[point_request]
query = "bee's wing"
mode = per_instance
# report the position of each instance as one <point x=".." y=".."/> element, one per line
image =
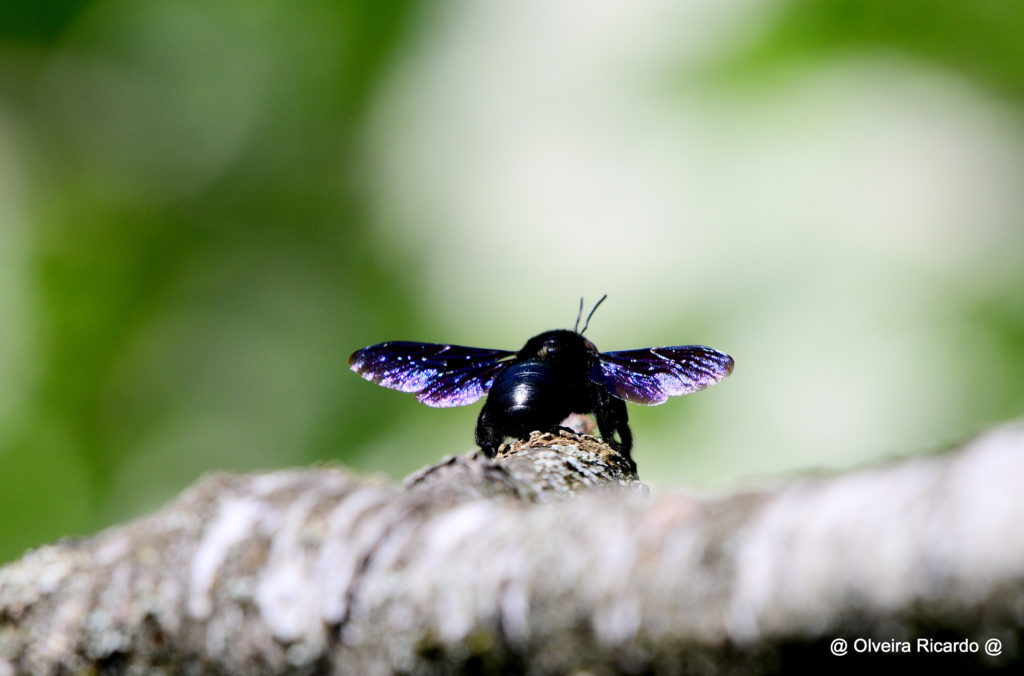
<point x="440" y="375"/>
<point x="653" y="374"/>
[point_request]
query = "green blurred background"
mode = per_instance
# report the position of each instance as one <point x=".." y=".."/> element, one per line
<point x="206" y="206"/>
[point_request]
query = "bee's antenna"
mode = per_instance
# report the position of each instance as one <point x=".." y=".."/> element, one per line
<point x="596" y="305"/>
<point x="578" y="316"/>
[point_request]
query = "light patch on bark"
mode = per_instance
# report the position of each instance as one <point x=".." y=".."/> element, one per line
<point x="235" y="520"/>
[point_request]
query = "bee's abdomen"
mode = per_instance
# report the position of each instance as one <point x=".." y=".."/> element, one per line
<point x="529" y="395"/>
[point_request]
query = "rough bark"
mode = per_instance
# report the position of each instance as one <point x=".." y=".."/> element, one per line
<point x="550" y="559"/>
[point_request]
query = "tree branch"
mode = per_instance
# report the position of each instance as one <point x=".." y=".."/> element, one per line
<point x="549" y="559"/>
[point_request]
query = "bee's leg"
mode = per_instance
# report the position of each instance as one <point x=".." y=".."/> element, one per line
<point x="487" y="436"/>
<point x="612" y="421"/>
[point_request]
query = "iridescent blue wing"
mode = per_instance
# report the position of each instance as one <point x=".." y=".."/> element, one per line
<point x="440" y="375"/>
<point x="653" y="374"/>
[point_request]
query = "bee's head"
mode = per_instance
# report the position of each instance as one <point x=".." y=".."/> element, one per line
<point x="560" y="346"/>
<point x="563" y="347"/>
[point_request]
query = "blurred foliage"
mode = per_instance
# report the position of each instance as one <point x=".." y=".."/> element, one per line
<point x="197" y="265"/>
<point x="37" y="22"/>
<point x="192" y="246"/>
<point x="981" y="40"/>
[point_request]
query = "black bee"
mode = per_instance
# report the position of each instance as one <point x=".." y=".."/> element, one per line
<point x="557" y="373"/>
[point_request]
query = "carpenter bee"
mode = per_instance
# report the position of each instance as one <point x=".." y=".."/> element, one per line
<point x="556" y="374"/>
